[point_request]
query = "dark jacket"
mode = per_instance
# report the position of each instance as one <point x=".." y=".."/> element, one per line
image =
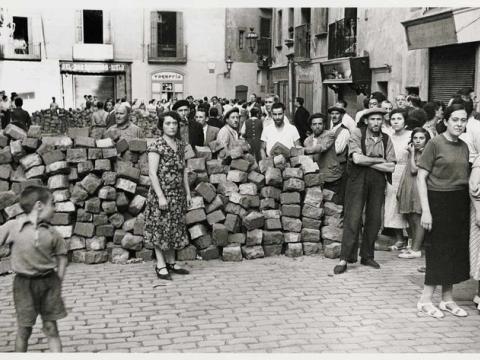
<point x="300" y="120"/>
<point x="195" y="133"/>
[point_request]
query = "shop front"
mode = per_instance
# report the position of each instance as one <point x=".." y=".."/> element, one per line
<point x="101" y="80"/>
<point x="167" y="85"/>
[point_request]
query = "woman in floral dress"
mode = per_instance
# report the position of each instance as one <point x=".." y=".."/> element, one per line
<point x="168" y="196"/>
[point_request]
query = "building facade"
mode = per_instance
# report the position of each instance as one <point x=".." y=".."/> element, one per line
<point x="142" y="53"/>
<point x="325" y="54"/>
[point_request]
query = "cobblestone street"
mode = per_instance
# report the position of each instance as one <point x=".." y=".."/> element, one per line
<point x="267" y="305"/>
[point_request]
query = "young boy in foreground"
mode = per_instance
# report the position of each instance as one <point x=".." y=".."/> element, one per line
<point x="37" y="249"/>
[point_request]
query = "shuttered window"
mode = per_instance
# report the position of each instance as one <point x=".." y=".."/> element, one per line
<point x="451" y="68"/>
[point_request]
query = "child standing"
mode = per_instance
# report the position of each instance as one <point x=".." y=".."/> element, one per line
<point x="408" y="198"/>
<point x="37" y="249"/>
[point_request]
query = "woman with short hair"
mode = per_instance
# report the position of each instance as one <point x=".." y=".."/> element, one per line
<point x="168" y="196"/>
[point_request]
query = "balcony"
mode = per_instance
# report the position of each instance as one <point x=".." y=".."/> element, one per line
<point x="93" y="52"/>
<point x="167" y="54"/>
<point x="302" y="42"/>
<point x="20" y="50"/>
<point x="264" y="52"/>
<point x="342" y="39"/>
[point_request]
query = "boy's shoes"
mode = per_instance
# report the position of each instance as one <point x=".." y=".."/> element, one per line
<point x="339" y="269"/>
<point x="177" y="270"/>
<point x="370" y="262"/>
<point x="166" y="276"/>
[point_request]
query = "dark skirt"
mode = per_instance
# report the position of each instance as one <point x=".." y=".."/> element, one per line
<point x="447" y="244"/>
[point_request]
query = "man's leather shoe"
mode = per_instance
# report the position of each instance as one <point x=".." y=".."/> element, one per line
<point x="370" y="262"/>
<point x="339" y="269"/>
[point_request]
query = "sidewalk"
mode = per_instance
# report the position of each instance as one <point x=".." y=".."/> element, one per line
<point x="266" y="305"/>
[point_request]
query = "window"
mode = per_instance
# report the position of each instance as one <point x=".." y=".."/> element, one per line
<point x="279" y="28"/>
<point x="241" y="39"/>
<point x="291" y="12"/>
<point x="93" y="26"/>
<point x="20" y="35"/>
<point x="265" y="28"/>
<point x="166" y="35"/>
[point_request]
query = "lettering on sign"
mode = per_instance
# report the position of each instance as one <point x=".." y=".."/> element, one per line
<point x="167" y="75"/>
<point x="92" y="67"/>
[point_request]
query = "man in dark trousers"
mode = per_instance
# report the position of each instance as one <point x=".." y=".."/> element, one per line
<point x="300" y="119"/>
<point x="190" y="131"/>
<point x="370" y="165"/>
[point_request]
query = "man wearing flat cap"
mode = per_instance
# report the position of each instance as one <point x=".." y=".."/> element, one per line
<point x="341" y="138"/>
<point x="190" y="131"/>
<point x="371" y="161"/>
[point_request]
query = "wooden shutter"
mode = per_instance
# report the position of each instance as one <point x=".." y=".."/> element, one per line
<point x="180" y="43"/>
<point x="79" y="26"/>
<point x="153" y="32"/>
<point x="451" y="68"/>
<point x="320" y="20"/>
<point x="107" y="28"/>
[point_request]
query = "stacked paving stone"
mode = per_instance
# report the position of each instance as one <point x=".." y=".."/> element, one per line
<point x="332" y="226"/>
<point x="249" y="210"/>
<point x="99" y="189"/>
<point x="52" y="122"/>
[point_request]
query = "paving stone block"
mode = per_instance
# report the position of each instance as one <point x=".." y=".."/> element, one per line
<point x="254" y="220"/>
<point x="31" y="144"/>
<point x="310" y="223"/>
<point x="13" y="211"/>
<point x="83" y="141"/>
<point x="312" y="212"/>
<point x="196" y="203"/>
<point x="5" y="171"/>
<point x="252" y="201"/>
<point x="291" y="210"/>
<point x="217" y="178"/>
<point x="104" y="143"/>
<point x="272" y="250"/>
<point x="85" y="167"/>
<point x="219" y="235"/>
<point x="92" y="205"/>
<point x="207" y="191"/>
<point x="254" y="237"/>
<point x="294" y="250"/>
<point x="75" y="132"/>
<point x="292" y="237"/>
<point x="58" y="167"/>
<point x="272" y="237"/>
<point x="61" y="219"/>
<point x="137" y="204"/>
<point x="5" y="155"/>
<point x="76" y="155"/>
<point x="290" y="198"/>
<point x="314" y="196"/>
<point x="119" y="256"/>
<point x="137" y="145"/>
<point x="78" y="256"/>
<point x="237" y="176"/>
<point x="58" y="182"/>
<point x="75" y="243"/>
<point x="291" y="224"/>
<point x="197" y="231"/>
<point x="273" y="177"/>
<point x="195" y="216"/>
<point x="256" y="178"/>
<point x="122" y="202"/>
<point x="203" y="242"/>
<point x="96" y="243"/>
<point x="126" y="185"/>
<point x="84" y="229"/>
<point x="94" y="154"/>
<point x="232" y="253"/>
<point x="332" y="233"/>
<point x="248" y="189"/>
<point x="107" y="193"/>
<point x="271" y="192"/>
<point x="116" y="220"/>
<point x="252" y="252"/>
<point x="109" y="207"/>
<point x="144" y="254"/>
<point x="291" y="172"/>
<point x="313" y="180"/>
<point x="240" y="164"/>
<point x="109" y="178"/>
<point x="4" y="185"/>
<point x="227" y="188"/>
<point x="268" y="203"/>
<point x="333" y="210"/>
<point x="15" y="132"/>
<point x="132" y="242"/>
<point x="310" y="235"/>
<point x="237" y="238"/>
<point x="35" y="172"/>
<point x="30" y="161"/>
<point x="293" y="184"/>
<point x="121" y="146"/>
<point x="215" y="167"/>
<point x="118" y="236"/>
<point x="272" y="214"/>
<point x="332" y="251"/>
<point x="84" y="216"/>
<point x="328" y="195"/>
<point x="333" y="221"/>
<point x="197" y="164"/>
<point x="209" y="253"/>
<point x="96" y="257"/>
<point x="311" y="248"/>
<point x="103" y="165"/>
<point x="65" y="206"/>
<point x="232" y="223"/>
<point x="216" y="216"/>
<point x="100" y="219"/>
<point x="109" y="153"/>
<point x="187" y="254"/>
<point x="91" y="183"/>
<point x="273" y="224"/>
<point x="105" y="230"/>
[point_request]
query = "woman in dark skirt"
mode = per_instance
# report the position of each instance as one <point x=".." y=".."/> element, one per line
<point x="442" y="182"/>
<point x="251" y="131"/>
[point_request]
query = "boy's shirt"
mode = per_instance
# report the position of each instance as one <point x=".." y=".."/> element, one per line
<point x="34" y="251"/>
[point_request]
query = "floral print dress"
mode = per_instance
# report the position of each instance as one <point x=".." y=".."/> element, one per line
<point x="166" y="229"/>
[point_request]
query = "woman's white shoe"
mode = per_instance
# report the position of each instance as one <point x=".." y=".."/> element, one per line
<point x="453" y="308"/>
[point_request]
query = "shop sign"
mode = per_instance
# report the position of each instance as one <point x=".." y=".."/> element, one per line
<point x="167" y="75"/>
<point x="92" y="67"/>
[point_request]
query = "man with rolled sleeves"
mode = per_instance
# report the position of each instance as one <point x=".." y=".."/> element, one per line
<point x="370" y="165"/>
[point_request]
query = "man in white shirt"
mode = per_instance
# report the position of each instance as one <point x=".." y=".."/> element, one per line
<point x="209" y="132"/>
<point x="280" y="131"/>
<point x="269" y="101"/>
<point x="342" y="134"/>
<point x="471" y="136"/>
<point x="347" y="120"/>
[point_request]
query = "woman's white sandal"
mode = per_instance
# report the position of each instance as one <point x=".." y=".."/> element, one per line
<point x="455" y="309"/>
<point x="433" y="311"/>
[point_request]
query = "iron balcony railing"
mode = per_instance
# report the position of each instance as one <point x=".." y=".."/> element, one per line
<point x="21" y="50"/>
<point x="342" y="38"/>
<point x="166" y="53"/>
<point x="302" y="41"/>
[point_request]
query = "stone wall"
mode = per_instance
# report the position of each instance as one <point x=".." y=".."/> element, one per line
<point x="240" y="209"/>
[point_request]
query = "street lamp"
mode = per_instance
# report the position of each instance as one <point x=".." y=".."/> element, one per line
<point x="229" y="63"/>
<point x="252" y="39"/>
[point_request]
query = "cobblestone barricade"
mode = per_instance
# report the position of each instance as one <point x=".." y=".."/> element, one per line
<point x="58" y="123"/>
<point x="240" y="209"/>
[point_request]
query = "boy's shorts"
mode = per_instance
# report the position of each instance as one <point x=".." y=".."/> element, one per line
<point x="38" y="295"/>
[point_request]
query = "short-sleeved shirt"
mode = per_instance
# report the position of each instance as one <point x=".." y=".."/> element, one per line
<point x="286" y="135"/>
<point x="447" y="164"/>
<point x="131" y="131"/>
<point x="373" y="146"/>
<point x="34" y="250"/>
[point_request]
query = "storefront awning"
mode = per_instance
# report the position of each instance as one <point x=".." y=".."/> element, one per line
<point x="452" y="26"/>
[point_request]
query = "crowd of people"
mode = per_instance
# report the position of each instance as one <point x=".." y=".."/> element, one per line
<point x="408" y="166"/>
